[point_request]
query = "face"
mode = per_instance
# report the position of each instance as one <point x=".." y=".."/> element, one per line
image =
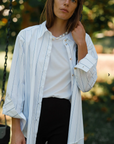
<point x="69" y="5"/>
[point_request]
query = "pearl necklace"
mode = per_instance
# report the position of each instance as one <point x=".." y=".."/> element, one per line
<point x="60" y="36"/>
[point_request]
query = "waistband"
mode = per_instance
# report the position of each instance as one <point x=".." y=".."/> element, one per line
<point x="56" y="98"/>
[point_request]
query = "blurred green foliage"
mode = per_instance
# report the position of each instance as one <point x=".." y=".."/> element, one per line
<point x="15" y="26"/>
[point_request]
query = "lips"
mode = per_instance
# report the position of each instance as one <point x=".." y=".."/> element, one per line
<point x="64" y="10"/>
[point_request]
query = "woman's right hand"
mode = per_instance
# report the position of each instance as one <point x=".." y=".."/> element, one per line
<point x="18" y="138"/>
<point x="17" y="135"/>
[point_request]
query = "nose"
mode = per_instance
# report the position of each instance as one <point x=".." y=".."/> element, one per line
<point x="67" y="2"/>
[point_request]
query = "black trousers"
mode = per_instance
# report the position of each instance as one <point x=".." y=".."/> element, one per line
<point x="54" y="121"/>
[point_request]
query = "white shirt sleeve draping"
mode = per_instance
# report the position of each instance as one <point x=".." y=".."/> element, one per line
<point x="85" y="77"/>
<point x="14" y="100"/>
<point x="85" y="71"/>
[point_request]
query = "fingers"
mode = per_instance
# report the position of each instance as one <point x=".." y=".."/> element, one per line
<point x="24" y="142"/>
<point x="81" y="25"/>
<point x="78" y="27"/>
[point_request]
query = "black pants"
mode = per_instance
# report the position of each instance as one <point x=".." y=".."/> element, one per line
<point x="54" y="121"/>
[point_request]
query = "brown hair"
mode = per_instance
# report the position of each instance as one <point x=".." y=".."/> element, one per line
<point x="48" y="15"/>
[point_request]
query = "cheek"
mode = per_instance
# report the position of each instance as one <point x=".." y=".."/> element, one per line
<point x="73" y="10"/>
<point x="55" y="8"/>
<point x="71" y="13"/>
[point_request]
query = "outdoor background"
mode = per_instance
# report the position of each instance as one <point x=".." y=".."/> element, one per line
<point x="98" y="21"/>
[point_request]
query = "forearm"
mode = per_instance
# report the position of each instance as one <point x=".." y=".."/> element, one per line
<point x="16" y="124"/>
<point x="17" y="135"/>
<point x="82" y="50"/>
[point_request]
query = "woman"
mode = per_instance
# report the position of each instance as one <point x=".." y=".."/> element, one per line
<point x="43" y="92"/>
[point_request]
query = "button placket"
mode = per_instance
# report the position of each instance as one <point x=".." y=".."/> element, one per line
<point x="39" y="102"/>
<point x="71" y="65"/>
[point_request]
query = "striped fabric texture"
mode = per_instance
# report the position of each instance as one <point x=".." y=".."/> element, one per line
<point x="27" y="78"/>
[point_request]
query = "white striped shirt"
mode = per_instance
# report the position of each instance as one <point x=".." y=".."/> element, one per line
<point x="27" y="78"/>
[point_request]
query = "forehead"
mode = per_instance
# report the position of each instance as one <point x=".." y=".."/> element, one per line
<point x="65" y="0"/>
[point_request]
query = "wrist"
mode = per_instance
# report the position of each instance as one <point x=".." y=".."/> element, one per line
<point x="16" y="125"/>
<point x="82" y="43"/>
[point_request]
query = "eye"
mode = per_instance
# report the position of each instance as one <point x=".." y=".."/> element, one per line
<point x="74" y="1"/>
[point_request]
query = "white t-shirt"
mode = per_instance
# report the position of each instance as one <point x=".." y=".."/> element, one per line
<point x="58" y="78"/>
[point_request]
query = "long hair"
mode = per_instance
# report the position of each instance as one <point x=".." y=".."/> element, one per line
<point x="48" y="15"/>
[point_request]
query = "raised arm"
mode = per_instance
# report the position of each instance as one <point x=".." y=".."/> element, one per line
<point x="85" y="70"/>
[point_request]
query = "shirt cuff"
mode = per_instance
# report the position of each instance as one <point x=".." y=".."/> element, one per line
<point x="86" y="63"/>
<point x="14" y="114"/>
<point x="10" y="110"/>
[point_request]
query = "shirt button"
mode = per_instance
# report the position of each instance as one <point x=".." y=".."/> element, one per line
<point x="66" y="44"/>
<point x="73" y="75"/>
<point x="70" y="58"/>
<point x="75" y="68"/>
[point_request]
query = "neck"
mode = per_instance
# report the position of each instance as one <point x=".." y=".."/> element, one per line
<point x="58" y="28"/>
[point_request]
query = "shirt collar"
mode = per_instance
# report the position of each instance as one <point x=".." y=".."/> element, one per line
<point x="44" y="29"/>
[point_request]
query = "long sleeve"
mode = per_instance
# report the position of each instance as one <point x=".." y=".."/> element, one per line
<point x="14" y="99"/>
<point x="85" y="71"/>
